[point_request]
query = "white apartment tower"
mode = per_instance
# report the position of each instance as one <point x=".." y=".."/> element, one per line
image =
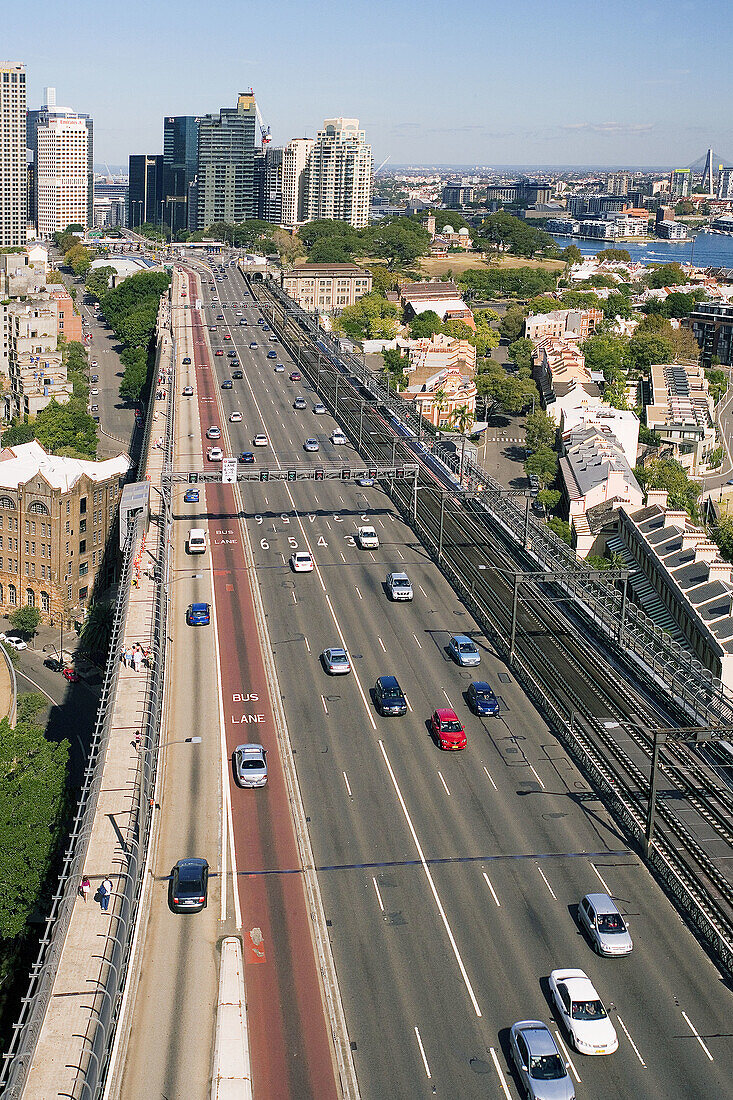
<point x="295" y="181"/>
<point x="61" y="151"/>
<point x="340" y="173"/>
<point x="13" y="161"/>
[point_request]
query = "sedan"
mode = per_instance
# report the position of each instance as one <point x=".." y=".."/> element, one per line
<point x="198" y="614"/>
<point x="447" y="729"/>
<point x="95" y="392"/>
<point x="15" y="642"/>
<point x="54" y="664"/>
<point x="215" y="454"/>
<point x="599" y="916"/>
<point x="295" y="376"/>
<point x="279" y="369"/>
<point x="247" y="458"/>
<point x="481" y="699"/>
<point x="319" y="408"/>
<point x="94" y="408"/>
<point x="212" y="328"/>
<point x="187" y="391"/>
<point x="389" y="698"/>
<point x="71" y="675"/>
<point x="186" y="360"/>
<point x="191" y="496"/>
<point x="218" y="352"/>
<point x="227" y="336"/>
<point x="253" y="344"/>
<point x="213" y="432"/>
<point x="336" y="661"/>
<point x="237" y="373"/>
<point x="94" y="378"/>
<point x="235" y="418"/>
<point x="299" y="403"/>
<point x="464" y="651"/>
<point x="94" y="363"/>
<point x="272" y="355"/>
<point x="231" y="354"/>
<point x="301" y="562"/>
<point x="250" y="765"/>
<point x="243" y="322"/>
<point x="260" y="440"/>
<point x="338" y="439"/>
<point x="226" y="384"/>
<point x="220" y="316"/>
<point x="311" y="445"/>
<point x="189" y="885"/>
<point x="539" y="1065"/>
<point x="582" y="1012"/>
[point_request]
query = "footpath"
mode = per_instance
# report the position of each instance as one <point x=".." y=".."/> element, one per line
<point x="63" y="1047"/>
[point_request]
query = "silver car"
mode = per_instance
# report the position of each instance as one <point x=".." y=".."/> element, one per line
<point x="464" y="651"/>
<point x="599" y="915"/>
<point x="336" y="661"/>
<point x="250" y="765"/>
<point x="542" y="1070"/>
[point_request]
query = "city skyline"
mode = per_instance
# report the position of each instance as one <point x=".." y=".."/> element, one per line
<point x="430" y="89"/>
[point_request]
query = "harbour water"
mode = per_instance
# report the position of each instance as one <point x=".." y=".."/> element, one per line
<point x="704" y="250"/>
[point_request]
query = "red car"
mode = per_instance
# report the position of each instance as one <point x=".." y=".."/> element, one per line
<point x="218" y="352"/>
<point x="227" y="336"/>
<point x="295" y="377"/>
<point x="71" y="675"/>
<point x="447" y="729"/>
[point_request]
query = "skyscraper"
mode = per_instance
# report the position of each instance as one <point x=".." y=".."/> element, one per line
<point x="61" y="147"/>
<point x="180" y="154"/>
<point x="269" y="182"/>
<point x="295" y="181"/>
<point x="13" y="162"/>
<point x="145" y="191"/>
<point x="680" y="183"/>
<point x="225" y="183"/>
<point x="340" y="173"/>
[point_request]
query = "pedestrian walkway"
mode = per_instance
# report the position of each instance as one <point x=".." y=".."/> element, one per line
<point x="68" y="1028"/>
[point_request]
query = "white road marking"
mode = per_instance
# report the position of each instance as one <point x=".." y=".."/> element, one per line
<point x="417" y="640"/>
<point x="694" y="1032"/>
<point x="491" y="781"/>
<point x="354" y="673"/>
<point x="358" y="592"/>
<point x="422" y="1051"/>
<point x="502" y="1078"/>
<point x="283" y="558"/>
<point x="534" y="773"/>
<point x="433" y="890"/>
<point x="295" y="598"/>
<point x="379" y="896"/>
<point x="423" y="591"/>
<point x="493" y="891"/>
<point x="605" y="885"/>
<point x="398" y="551"/>
<point x="568" y="1059"/>
<point x="636" y="1049"/>
<point x="443" y="781"/>
<point x="307" y="644"/>
<point x="348" y="785"/>
<point x="547" y="883"/>
<point x="343" y="559"/>
<point x="409" y="704"/>
<point x="323" y="700"/>
<point x="382" y="644"/>
<point x="328" y="525"/>
<point x="446" y="698"/>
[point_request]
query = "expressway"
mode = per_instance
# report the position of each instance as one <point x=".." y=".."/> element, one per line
<point x="450" y="881"/>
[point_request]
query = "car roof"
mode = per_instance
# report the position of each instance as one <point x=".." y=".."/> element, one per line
<point x="199" y="607"/>
<point x="445" y="714"/>
<point x="251" y="749"/>
<point x="399" y="576"/>
<point x="602" y="903"/>
<point x="541" y="1041"/>
<point x="389" y="682"/>
<point x="192" y="861"/>
<point x="336" y="650"/>
<point x="482" y="685"/>
<point x="463" y="638"/>
<point x="579" y="985"/>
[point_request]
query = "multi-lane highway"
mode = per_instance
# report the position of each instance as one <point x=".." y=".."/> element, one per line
<point x="450" y="880"/>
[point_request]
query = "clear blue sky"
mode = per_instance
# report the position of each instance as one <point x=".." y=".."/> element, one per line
<point x="642" y="82"/>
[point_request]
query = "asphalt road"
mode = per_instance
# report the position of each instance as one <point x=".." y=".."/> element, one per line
<point x="450" y="880"/>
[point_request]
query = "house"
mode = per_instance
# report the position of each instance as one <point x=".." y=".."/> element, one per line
<point x="681" y="411"/>
<point x="571" y="323"/>
<point x="440" y="396"/>
<point x="442" y="298"/>
<point x="440" y="352"/>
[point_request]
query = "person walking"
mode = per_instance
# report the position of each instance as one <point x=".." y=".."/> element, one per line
<point x="84" y="888"/>
<point x="138" y="659"/>
<point x="138" y="739"/>
<point x="105" y="893"/>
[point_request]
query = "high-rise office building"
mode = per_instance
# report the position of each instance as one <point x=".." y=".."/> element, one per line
<point x="145" y="190"/>
<point x="618" y="183"/>
<point x="295" y="181"/>
<point x="269" y="183"/>
<point x="61" y="158"/>
<point x="680" y="183"/>
<point x="725" y="183"/>
<point x="225" y="183"/>
<point x="180" y="155"/>
<point x="13" y="161"/>
<point x="340" y="173"/>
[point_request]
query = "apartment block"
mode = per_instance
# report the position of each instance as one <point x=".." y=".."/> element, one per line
<point x="340" y="173"/>
<point x="225" y="178"/>
<point x="577" y="324"/>
<point x="595" y="472"/>
<point x="296" y="156"/>
<point x="327" y="287"/>
<point x="14" y="173"/>
<point x="68" y="321"/>
<point x="430" y="356"/>
<point x="681" y="412"/>
<point x="35" y="370"/>
<point x="712" y="327"/>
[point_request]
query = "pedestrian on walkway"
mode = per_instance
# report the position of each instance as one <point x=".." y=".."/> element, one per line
<point x="138" y="738"/>
<point x="105" y="893"/>
<point x="138" y="659"/>
<point x="84" y="887"/>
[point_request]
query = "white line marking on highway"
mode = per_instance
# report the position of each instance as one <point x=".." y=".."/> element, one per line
<point x="343" y="559"/>
<point x="328" y="525"/>
<point x="416" y="639"/>
<point x="502" y="1078"/>
<point x="348" y="785"/>
<point x="354" y="673"/>
<point x="636" y="1049"/>
<point x="409" y="704"/>
<point x="423" y="591"/>
<point x="696" y="1034"/>
<point x="493" y="891"/>
<point x="384" y="650"/>
<point x="606" y="887"/>
<point x="547" y="883"/>
<point x="342" y="499"/>
<point x="380" y="522"/>
<point x="398" y="551"/>
<point x="295" y="598"/>
<point x="422" y="1051"/>
<point x="446" y="698"/>
<point x="491" y="781"/>
<point x="390" y="517"/>
<point x="443" y="781"/>
<point x="323" y="700"/>
<point x="371" y="555"/>
<point x="307" y="643"/>
<point x="379" y="896"/>
<point x="358" y="592"/>
<point x="568" y="1059"/>
<point x="283" y="558"/>
<point x="315" y="498"/>
<point x="534" y="773"/>
<point x="429" y="877"/>
<point x="227" y="824"/>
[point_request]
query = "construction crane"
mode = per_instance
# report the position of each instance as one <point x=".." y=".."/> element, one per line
<point x="381" y="166"/>
<point x="264" y="130"/>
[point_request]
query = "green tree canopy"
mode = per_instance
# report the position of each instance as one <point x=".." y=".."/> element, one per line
<point x="371" y="317"/>
<point x="503" y="391"/>
<point x="78" y="259"/>
<point x="666" y="473"/>
<point x="511" y="326"/>
<point x="540" y="430"/>
<point x="503" y="232"/>
<point x="510" y="282"/>
<point x="400" y="242"/>
<point x="25" y="620"/>
<point x="425" y="324"/>
<point x="665" y="275"/>
<point x="571" y="254"/>
<point x="543" y="465"/>
<point x="520" y="353"/>
<point x="97" y="283"/>
<point x="607" y="353"/>
<point x="617" y="255"/>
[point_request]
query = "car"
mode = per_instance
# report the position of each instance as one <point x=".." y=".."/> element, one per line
<point x="94" y="392"/>
<point x="237" y="374"/>
<point x="212" y="328"/>
<point x="367" y="537"/>
<point x="447" y="729"/>
<point x="365" y="481"/>
<point x="213" y="432"/>
<point x="191" y="496"/>
<point x="481" y="699"/>
<point x="260" y="320"/>
<point x="602" y="922"/>
<point x="186" y="360"/>
<point x="238" y="312"/>
<point x="227" y="335"/>
<point x="398" y="586"/>
<point x="235" y="417"/>
<point x="15" y="642"/>
<point x="279" y="368"/>
<point x="311" y="445"/>
<point x="300" y="403"/>
<point x="231" y="354"/>
<point x="94" y="408"/>
<point x="301" y="562"/>
<point x="338" y="439"/>
<point x="582" y="1012"/>
<point x="215" y="454"/>
<point x="243" y="322"/>
<point x="464" y="651"/>
<point x="253" y="343"/>
<point x="187" y="391"/>
<point x="95" y="378"/>
<point x="265" y="328"/>
<point x="336" y="661"/>
<point x="227" y="384"/>
<point x="319" y="408"/>
<point x="273" y="338"/>
<point x="198" y="614"/>
<point x="54" y="664"/>
<point x="94" y="363"/>
<point x="220" y="316"/>
<point x="250" y="765"/>
<point x="389" y="698"/>
<point x="247" y="458"/>
<point x="189" y="885"/>
<point x="218" y="352"/>
<point x="541" y="1068"/>
<point x="138" y="421"/>
<point x="272" y="355"/>
<point x="260" y="440"/>
<point x="295" y="376"/>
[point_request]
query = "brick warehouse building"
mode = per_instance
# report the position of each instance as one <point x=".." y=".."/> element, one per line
<point x="56" y="516"/>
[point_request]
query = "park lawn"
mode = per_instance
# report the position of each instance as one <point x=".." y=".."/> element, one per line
<point x="460" y="263"/>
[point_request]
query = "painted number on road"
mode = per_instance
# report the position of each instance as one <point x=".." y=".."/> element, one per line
<point x="264" y="544"/>
<point x="321" y="541"/>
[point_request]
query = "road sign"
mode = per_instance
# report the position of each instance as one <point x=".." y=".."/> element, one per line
<point x="229" y="471"/>
<point x="193" y="477"/>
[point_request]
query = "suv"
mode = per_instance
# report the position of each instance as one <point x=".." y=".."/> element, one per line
<point x="398" y="586"/>
<point x="389" y="698"/>
<point x="367" y="538"/>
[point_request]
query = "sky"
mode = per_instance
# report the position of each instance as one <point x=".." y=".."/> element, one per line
<point x="586" y="82"/>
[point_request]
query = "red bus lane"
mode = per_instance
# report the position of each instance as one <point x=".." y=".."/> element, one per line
<point x="289" y="1040"/>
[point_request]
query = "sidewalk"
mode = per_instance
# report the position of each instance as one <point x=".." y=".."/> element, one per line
<point x="63" y="1046"/>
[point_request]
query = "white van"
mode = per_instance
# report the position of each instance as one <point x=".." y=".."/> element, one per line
<point x="197" y="541"/>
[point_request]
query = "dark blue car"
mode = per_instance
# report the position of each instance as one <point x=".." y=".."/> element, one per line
<point x="198" y="614"/>
<point x="191" y="496"/>
<point x="481" y="699"/>
<point x="246" y="457"/>
<point x="389" y="698"/>
<point x="272" y="355"/>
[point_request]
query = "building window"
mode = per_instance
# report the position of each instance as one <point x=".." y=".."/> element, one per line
<point x="30" y="597"/>
<point x="83" y="593"/>
<point x="45" y="602"/>
<point x="69" y="593"/>
<point x="82" y="526"/>
<point x="12" y="595"/>
<point x="83" y="568"/>
<point x="82" y="546"/>
<point x="82" y="505"/>
<point x="7" y="502"/>
<point x="36" y="507"/>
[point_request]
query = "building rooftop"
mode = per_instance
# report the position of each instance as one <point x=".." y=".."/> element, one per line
<point x="19" y="464"/>
<point x="328" y="269"/>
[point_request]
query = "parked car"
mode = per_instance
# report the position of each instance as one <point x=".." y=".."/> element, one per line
<point x="54" y="664"/>
<point x="14" y="641"/>
<point x="250" y="765"/>
<point x="582" y="1012"/>
<point x="481" y="699"/>
<point x="187" y="391"/>
<point x="189" y="885"/>
<point x="464" y="651"/>
<point x="447" y="729"/>
<point x="218" y="352"/>
<point x="253" y="344"/>
<point x="71" y="675"/>
<point x="606" y="929"/>
<point x="389" y="699"/>
<point x="539" y="1064"/>
<point x="336" y="661"/>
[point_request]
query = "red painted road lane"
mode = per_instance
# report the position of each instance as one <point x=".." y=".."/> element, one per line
<point x="290" y="1045"/>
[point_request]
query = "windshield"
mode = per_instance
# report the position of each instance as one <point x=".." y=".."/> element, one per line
<point x="391" y="693"/>
<point x="398" y="582"/>
<point x="484" y="695"/>
<point x="610" y="922"/>
<point x="338" y="658"/>
<point x="587" y="1010"/>
<point x="548" y="1067"/>
<point x="451" y="726"/>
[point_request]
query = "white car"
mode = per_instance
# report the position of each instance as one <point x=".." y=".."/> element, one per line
<point x="582" y="1012"/>
<point x="215" y="454"/>
<point x="319" y="407"/>
<point x="16" y="643"/>
<point x="338" y="438"/>
<point x="301" y="562"/>
<point x="260" y="440"/>
<point x="213" y="432"/>
<point x="94" y="363"/>
<point x="367" y="538"/>
<point x="235" y="418"/>
<point x="94" y="392"/>
<point x="279" y="369"/>
<point x="311" y="445"/>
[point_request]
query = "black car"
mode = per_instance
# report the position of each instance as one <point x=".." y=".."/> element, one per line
<point x="188" y="892"/>
<point x="237" y="374"/>
<point x="95" y="378"/>
<point x="226" y="384"/>
<point x="232" y="353"/>
<point x="54" y="664"/>
<point x="481" y="699"/>
<point x="242" y="321"/>
<point x="389" y="698"/>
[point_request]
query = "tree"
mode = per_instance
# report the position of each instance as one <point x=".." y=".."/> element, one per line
<point x="606" y="353"/>
<point x="616" y="305"/>
<point x="97" y="283"/>
<point x="514" y="282"/>
<point x="54" y="276"/>
<point x="667" y="473"/>
<point x="400" y="242"/>
<point x="383" y="279"/>
<point x="512" y="323"/>
<point x="684" y="344"/>
<point x="540" y="430"/>
<point x="723" y="536"/>
<point x="96" y="632"/>
<point x="616" y="255"/>
<point x="424" y="325"/>
<point x="74" y="228"/>
<point x="371" y="317"/>
<point x="561" y="529"/>
<point x="571" y="255"/>
<point x="549" y="498"/>
<point x="646" y="348"/>
<point x="394" y="366"/>
<point x="78" y="259"/>
<point x="678" y="304"/>
<point x="503" y="232"/>
<point x="665" y="275"/>
<point x="595" y="561"/>
<point x="485" y="337"/>
<point x="520" y="353"/>
<point x="462" y="420"/>
<point x="543" y="465"/>
<point x="25" y="620"/>
<point x="289" y="245"/>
